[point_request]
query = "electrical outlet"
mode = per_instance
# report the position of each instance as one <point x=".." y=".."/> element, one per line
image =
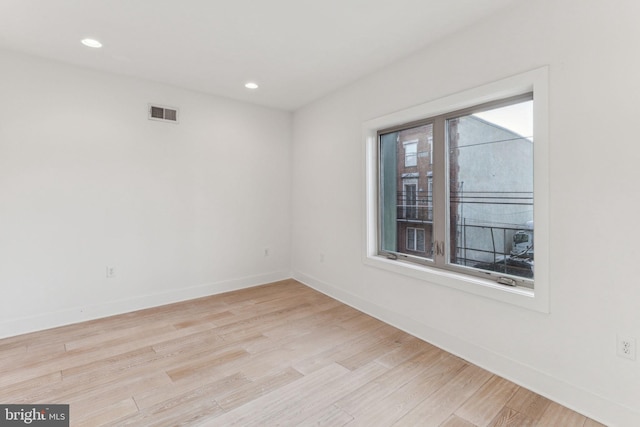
<point x="626" y="347"/>
<point x="111" y="272"/>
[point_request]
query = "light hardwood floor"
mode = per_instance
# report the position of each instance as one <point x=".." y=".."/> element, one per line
<point x="279" y="354"/>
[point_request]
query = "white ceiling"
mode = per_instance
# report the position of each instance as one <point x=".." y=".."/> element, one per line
<point x="296" y="50"/>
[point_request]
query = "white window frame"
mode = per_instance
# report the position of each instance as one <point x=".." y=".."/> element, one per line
<point x="535" y="81"/>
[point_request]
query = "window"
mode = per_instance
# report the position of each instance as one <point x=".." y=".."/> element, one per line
<point x="415" y="239"/>
<point x="410" y="199"/>
<point x="486" y="185"/>
<point x="410" y="153"/>
<point x="464" y="218"/>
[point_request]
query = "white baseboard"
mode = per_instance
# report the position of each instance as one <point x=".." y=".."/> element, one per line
<point x="18" y="326"/>
<point x="583" y="401"/>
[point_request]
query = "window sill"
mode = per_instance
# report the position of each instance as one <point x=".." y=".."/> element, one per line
<point x="522" y="297"/>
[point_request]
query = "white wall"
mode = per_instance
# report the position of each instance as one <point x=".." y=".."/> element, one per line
<point x="570" y="354"/>
<point x="86" y="180"/>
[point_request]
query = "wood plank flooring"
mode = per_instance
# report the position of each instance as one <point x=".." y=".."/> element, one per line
<point x="279" y="354"/>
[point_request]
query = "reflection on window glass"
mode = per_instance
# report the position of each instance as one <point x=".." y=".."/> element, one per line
<point x="406" y="191"/>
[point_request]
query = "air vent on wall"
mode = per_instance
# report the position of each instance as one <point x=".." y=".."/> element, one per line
<point x="165" y="114"/>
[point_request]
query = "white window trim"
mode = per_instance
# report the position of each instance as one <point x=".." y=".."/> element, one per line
<point x="536" y="81"/>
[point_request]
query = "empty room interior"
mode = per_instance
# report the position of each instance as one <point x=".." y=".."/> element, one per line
<point x="319" y="213"/>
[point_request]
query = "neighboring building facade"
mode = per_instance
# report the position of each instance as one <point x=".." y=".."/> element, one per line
<point x="414" y="191"/>
<point x="491" y="188"/>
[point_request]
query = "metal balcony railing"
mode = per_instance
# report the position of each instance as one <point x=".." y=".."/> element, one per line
<point x="416" y="206"/>
<point x="415" y="213"/>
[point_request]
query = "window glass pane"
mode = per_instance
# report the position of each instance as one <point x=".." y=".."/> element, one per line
<point x="388" y="192"/>
<point x="491" y="189"/>
<point x="405" y="191"/>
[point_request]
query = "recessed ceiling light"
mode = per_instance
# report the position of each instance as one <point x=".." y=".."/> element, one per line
<point x="251" y="85"/>
<point x="91" y="43"/>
